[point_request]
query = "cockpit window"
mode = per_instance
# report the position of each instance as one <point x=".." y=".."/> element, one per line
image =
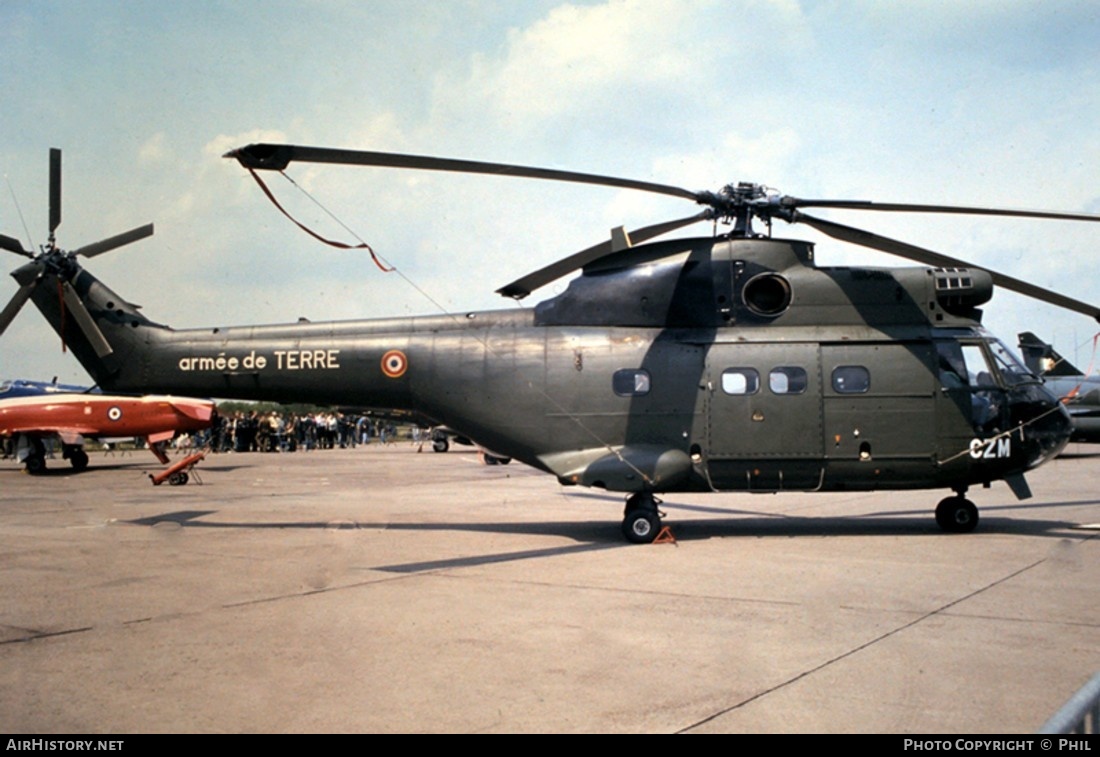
<point x="952" y="365"/>
<point x="986" y="367"/>
<point x="1012" y="370"/>
<point x="978" y="371"/>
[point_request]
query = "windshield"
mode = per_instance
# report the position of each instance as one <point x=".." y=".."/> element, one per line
<point x="1012" y="370"/>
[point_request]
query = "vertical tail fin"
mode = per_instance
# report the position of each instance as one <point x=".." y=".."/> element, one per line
<point x="1042" y="359"/>
<point x="105" y="333"/>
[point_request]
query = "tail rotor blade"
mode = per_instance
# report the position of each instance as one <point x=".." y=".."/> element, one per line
<point x="16" y="304"/>
<point x="13" y="245"/>
<point x="55" y="188"/>
<point x="84" y="319"/>
<point x="111" y="243"/>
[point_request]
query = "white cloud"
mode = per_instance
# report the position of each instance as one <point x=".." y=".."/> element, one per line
<point x="967" y="103"/>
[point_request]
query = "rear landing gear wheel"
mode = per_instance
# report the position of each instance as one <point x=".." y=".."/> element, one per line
<point x="957" y="515"/>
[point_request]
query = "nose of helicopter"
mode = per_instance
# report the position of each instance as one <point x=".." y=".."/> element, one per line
<point x="1045" y="424"/>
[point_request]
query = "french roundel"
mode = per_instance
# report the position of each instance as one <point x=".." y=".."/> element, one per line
<point x="114" y="413"/>
<point x="394" y="363"/>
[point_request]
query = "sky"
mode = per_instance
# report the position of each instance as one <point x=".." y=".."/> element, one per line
<point x="976" y="103"/>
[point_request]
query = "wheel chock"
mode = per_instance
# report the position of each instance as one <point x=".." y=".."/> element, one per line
<point x="177" y="473"/>
<point x="664" y="536"/>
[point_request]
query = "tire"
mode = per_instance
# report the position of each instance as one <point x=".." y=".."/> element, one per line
<point x="641" y="526"/>
<point x="957" y="515"/>
<point x="440" y="445"/>
<point x="78" y="458"/>
<point x="179" y="478"/>
<point x="35" y="464"/>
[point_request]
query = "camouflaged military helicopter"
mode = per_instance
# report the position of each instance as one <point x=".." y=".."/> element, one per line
<point x="727" y="363"/>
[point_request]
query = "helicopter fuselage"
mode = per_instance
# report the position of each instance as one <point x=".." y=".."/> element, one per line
<point x="703" y="364"/>
<point x="727" y="363"/>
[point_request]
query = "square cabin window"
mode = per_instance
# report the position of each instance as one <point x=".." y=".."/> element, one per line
<point x="630" y="382"/>
<point x="788" y="380"/>
<point x="851" y="379"/>
<point x="740" y="381"/>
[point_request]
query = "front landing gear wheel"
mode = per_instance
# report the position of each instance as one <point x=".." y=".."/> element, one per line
<point x="957" y="515"/>
<point x="641" y="520"/>
<point x="641" y="526"/>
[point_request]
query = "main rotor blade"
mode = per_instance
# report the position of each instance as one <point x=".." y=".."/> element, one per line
<point x="55" y="188"/>
<point x="938" y="260"/>
<point x="901" y="207"/>
<point x="16" y="304"/>
<point x="84" y="319"/>
<point x="277" y="157"/>
<point x="106" y="245"/>
<point x="522" y="287"/>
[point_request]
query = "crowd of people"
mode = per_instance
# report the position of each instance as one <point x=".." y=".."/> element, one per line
<point x="255" y="431"/>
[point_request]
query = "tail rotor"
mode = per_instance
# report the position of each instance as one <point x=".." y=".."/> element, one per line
<point x="52" y="260"/>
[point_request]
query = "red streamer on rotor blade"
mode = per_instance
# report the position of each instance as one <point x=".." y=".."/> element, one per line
<point x="314" y="234"/>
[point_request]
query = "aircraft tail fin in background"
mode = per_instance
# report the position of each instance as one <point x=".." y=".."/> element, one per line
<point x="1042" y="359"/>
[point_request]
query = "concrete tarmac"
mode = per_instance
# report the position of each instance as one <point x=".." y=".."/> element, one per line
<point x="381" y="590"/>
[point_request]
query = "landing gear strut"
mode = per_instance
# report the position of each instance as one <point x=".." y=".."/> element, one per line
<point x="642" y="520"/>
<point x="957" y="515"/>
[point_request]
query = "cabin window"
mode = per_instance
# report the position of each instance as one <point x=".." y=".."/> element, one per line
<point x="788" y="380"/>
<point x="740" y="381"/>
<point x="851" y="379"/>
<point x="630" y="382"/>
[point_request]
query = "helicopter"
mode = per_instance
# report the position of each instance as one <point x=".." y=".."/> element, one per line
<point x="721" y="363"/>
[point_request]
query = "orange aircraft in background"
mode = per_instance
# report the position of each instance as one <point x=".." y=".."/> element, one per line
<point x="75" y="417"/>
